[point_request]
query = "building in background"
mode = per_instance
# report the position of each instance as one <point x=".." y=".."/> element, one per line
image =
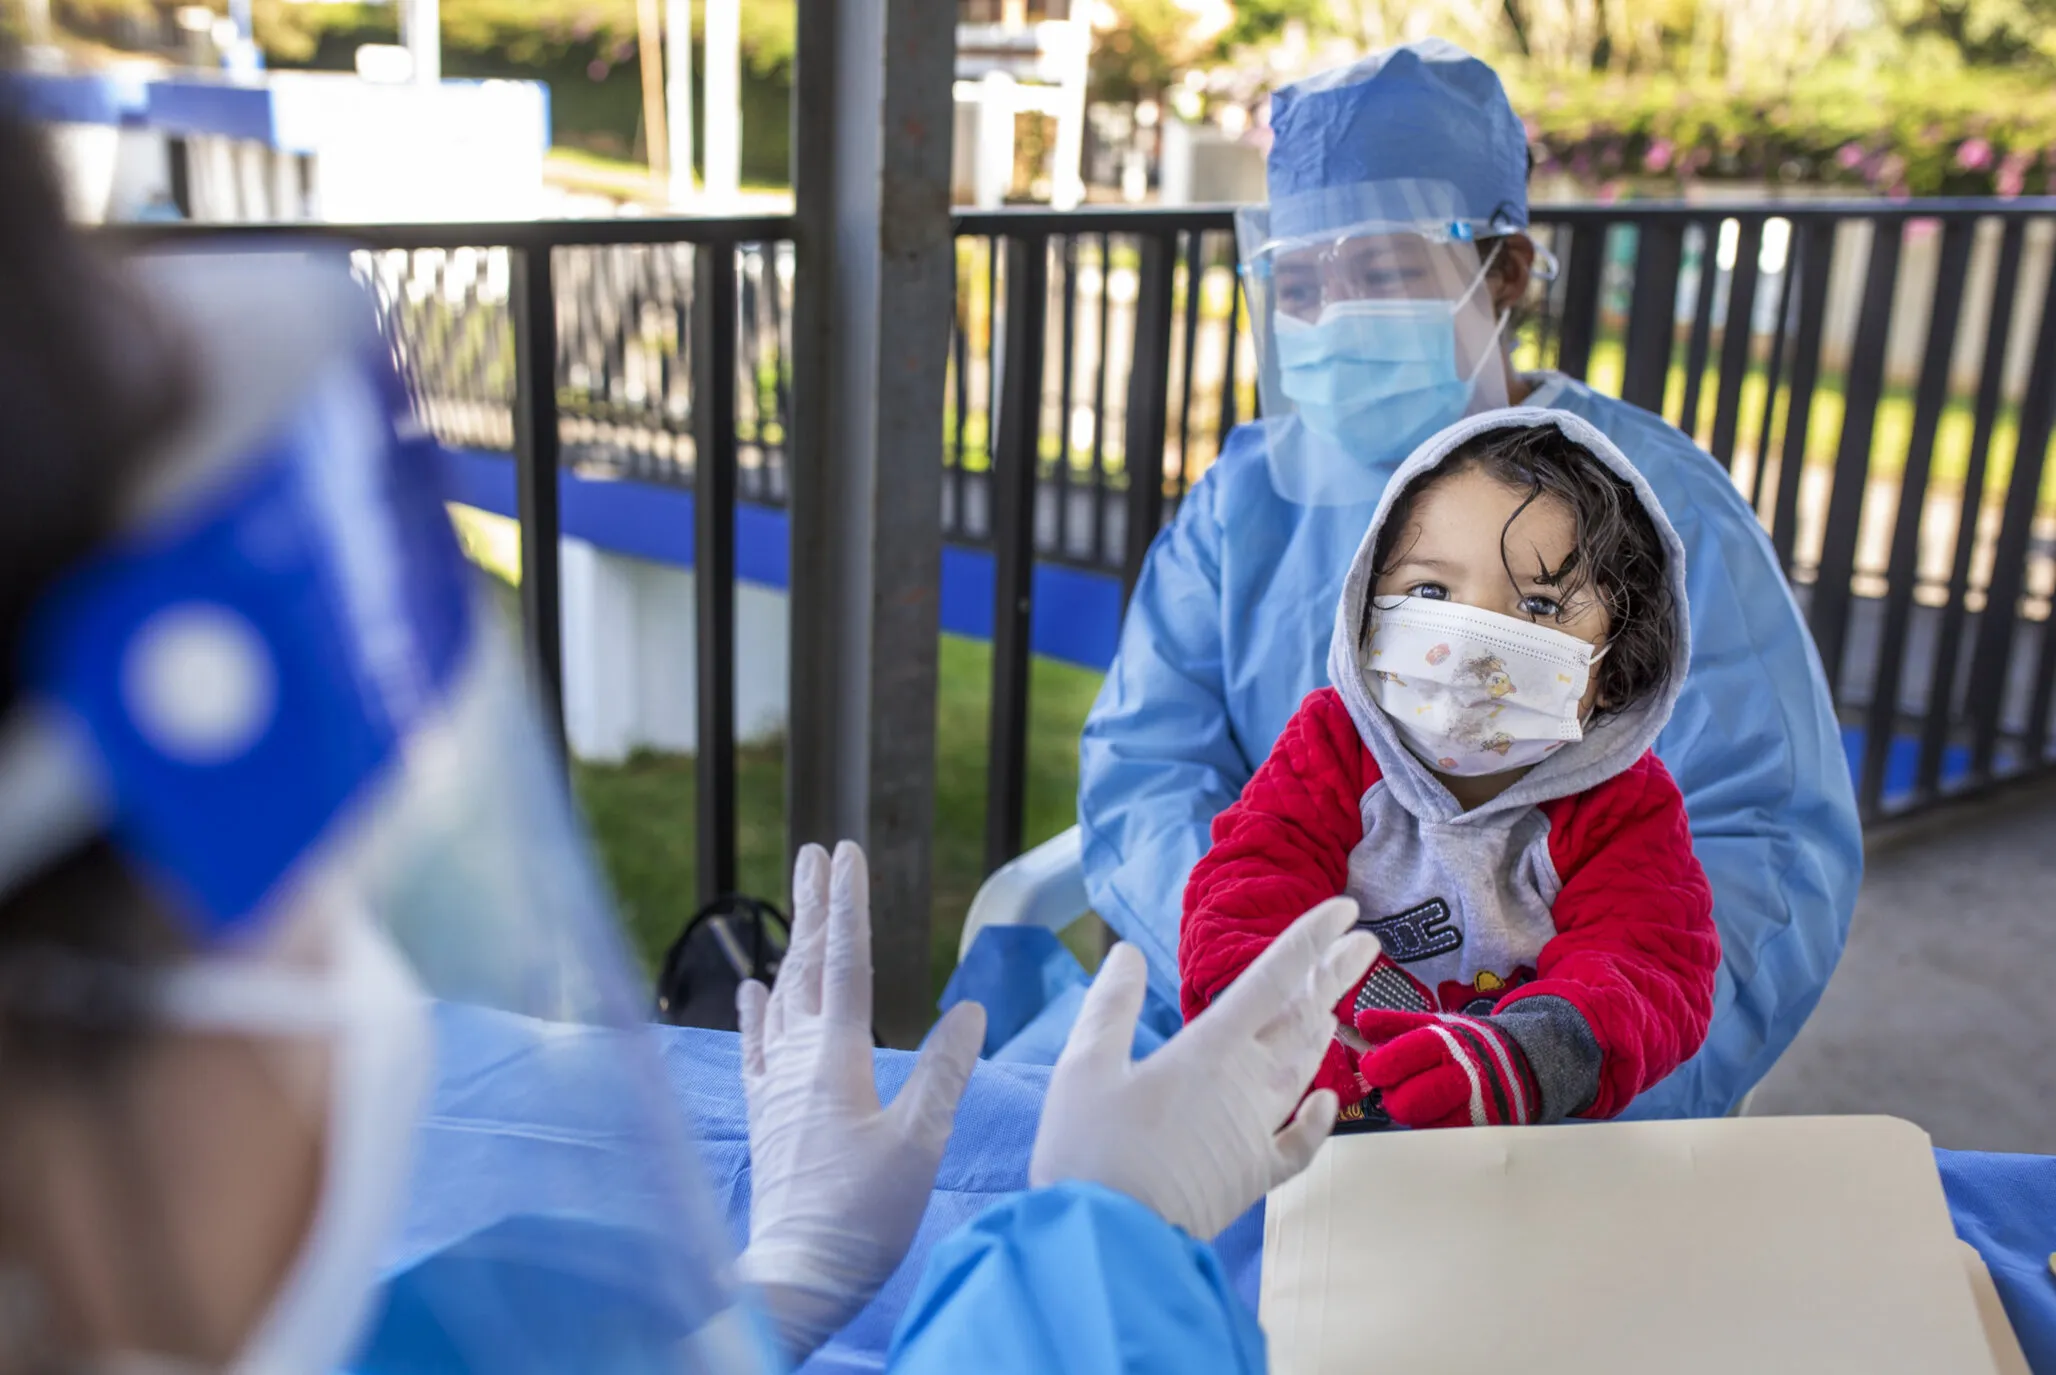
<point x="137" y="143"/>
<point x="1020" y="101"/>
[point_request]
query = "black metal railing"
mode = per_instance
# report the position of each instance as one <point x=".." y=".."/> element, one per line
<point x="502" y="334"/>
<point x="1879" y="378"/>
<point x="1824" y="354"/>
<point x="1872" y="459"/>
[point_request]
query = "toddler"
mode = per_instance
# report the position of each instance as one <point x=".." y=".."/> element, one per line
<point x="1511" y="639"/>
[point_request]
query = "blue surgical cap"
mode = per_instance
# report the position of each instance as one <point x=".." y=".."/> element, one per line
<point x="1425" y="111"/>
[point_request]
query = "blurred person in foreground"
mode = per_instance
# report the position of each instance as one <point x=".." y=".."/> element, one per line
<point x="1380" y="277"/>
<point x="284" y="861"/>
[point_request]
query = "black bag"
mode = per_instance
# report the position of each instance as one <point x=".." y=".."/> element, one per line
<point x="727" y="941"/>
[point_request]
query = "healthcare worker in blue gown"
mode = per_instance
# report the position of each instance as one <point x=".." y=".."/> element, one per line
<point x="288" y="876"/>
<point x="1380" y="277"/>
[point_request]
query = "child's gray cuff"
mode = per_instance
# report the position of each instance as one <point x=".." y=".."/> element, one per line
<point x="1562" y="1052"/>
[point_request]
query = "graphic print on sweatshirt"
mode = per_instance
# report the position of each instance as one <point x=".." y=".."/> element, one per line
<point x="1463" y="910"/>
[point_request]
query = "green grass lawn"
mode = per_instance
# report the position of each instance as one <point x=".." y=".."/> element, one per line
<point x="642" y="812"/>
<point x="1892" y="432"/>
<point x="643" y="816"/>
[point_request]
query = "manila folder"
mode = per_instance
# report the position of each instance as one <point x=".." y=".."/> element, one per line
<point x="1762" y="1245"/>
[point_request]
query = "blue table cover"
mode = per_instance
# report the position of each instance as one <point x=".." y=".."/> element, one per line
<point x="491" y="1135"/>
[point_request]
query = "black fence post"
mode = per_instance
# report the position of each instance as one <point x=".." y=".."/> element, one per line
<point x="1931" y="395"/>
<point x="713" y="557"/>
<point x="1736" y="334"/>
<point x="1813" y="260"/>
<point x="1067" y="373"/>
<point x="1149" y="381"/>
<point x="178" y="158"/>
<point x="1828" y="616"/>
<point x="1016" y="455"/>
<point x="1943" y="702"/>
<point x="1583" y="269"/>
<point x="1990" y="678"/>
<point x="1195" y="281"/>
<point x="532" y="302"/>
<point x="1652" y="325"/>
<point x="1702" y="326"/>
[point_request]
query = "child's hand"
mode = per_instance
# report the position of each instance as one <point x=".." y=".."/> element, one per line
<point x="1443" y="1070"/>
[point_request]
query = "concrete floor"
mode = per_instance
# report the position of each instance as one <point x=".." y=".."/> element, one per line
<point x="1944" y="1008"/>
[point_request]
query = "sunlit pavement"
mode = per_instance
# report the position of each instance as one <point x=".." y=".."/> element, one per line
<point x="1944" y="1008"/>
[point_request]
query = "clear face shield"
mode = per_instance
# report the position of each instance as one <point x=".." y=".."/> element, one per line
<point x="379" y="1097"/>
<point x="1374" y="328"/>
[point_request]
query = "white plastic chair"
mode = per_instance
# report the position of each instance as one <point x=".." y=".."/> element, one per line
<point x="1044" y="887"/>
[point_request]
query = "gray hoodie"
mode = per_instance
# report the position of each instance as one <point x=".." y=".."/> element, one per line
<point x="1464" y="902"/>
<point x="1607" y="749"/>
<point x="1468" y="895"/>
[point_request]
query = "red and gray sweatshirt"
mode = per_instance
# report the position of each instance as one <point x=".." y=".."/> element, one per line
<point x="1569" y="911"/>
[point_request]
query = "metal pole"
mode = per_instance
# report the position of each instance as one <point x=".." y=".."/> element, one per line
<point x="1149" y="379"/>
<point x="533" y="304"/>
<point x="678" y="97"/>
<point x="993" y="169"/>
<point x="650" y="52"/>
<point x="713" y="490"/>
<point x="1652" y="315"/>
<point x="724" y="103"/>
<point x="1067" y="178"/>
<point x="421" y="29"/>
<point x="1827" y="616"/>
<point x="871" y="165"/>
<point x="1903" y="569"/>
<point x="1943" y="695"/>
<point x="1017" y="452"/>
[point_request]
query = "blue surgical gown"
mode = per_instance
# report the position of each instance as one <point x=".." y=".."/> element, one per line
<point x="1074" y="1278"/>
<point x="1229" y="629"/>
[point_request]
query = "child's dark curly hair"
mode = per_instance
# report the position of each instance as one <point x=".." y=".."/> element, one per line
<point x="1617" y="556"/>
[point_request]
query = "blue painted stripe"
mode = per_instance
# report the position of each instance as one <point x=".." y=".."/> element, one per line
<point x="74" y="98"/>
<point x="1902" y="764"/>
<point x="1077" y="614"/>
<point x="214" y="107"/>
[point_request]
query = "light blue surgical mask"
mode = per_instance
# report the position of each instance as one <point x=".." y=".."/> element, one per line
<point x="1375" y="378"/>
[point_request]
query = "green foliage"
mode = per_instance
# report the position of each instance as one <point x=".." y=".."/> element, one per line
<point x="1149" y="46"/>
<point x="641" y="811"/>
<point x="1986" y="33"/>
<point x="1907" y="97"/>
<point x="518" y="32"/>
<point x="1927" y="132"/>
<point x="1258" y="22"/>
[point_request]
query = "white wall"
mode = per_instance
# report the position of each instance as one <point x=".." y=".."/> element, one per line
<point x="630" y="656"/>
<point x="1202" y="166"/>
<point x="110" y="173"/>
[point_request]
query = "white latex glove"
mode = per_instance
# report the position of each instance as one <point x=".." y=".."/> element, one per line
<point x="1194" y="1132"/>
<point x="837" y="1184"/>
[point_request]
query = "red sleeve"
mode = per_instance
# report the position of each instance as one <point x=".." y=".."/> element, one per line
<point x="1635" y="949"/>
<point x="1282" y="847"/>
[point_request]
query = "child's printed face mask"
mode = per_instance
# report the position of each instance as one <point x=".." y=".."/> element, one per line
<point x="1474" y="692"/>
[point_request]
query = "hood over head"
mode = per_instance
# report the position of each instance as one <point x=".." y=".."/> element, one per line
<point x="1609" y="747"/>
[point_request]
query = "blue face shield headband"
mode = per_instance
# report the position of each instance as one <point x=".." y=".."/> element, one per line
<point x="282" y="696"/>
<point x="216" y="689"/>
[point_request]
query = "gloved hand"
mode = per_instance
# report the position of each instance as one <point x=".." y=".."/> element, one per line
<point x="1444" y="1070"/>
<point x="1198" y="1131"/>
<point x="838" y="1185"/>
